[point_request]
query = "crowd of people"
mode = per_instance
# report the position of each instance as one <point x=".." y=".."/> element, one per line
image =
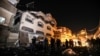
<point x="54" y="48"/>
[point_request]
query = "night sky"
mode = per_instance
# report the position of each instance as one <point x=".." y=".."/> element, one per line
<point x="76" y="15"/>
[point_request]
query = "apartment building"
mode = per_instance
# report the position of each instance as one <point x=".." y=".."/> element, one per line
<point x="36" y="24"/>
<point x="63" y="33"/>
<point x="7" y="13"/>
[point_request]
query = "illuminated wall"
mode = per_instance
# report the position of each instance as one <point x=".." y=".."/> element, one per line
<point x="37" y="23"/>
<point x="65" y="33"/>
<point x="82" y="35"/>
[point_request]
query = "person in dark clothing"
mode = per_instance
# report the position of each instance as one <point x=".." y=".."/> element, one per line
<point x="52" y="43"/>
<point x="33" y="45"/>
<point x="46" y="43"/>
<point x="79" y="43"/>
<point x="97" y="41"/>
<point x="34" y="40"/>
<point x="58" y="43"/>
<point x="66" y="43"/>
<point x="93" y="42"/>
<point x="71" y="43"/>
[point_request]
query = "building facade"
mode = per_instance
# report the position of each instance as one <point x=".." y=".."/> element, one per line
<point x="7" y="13"/>
<point x="63" y="33"/>
<point x="36" y="24"/>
